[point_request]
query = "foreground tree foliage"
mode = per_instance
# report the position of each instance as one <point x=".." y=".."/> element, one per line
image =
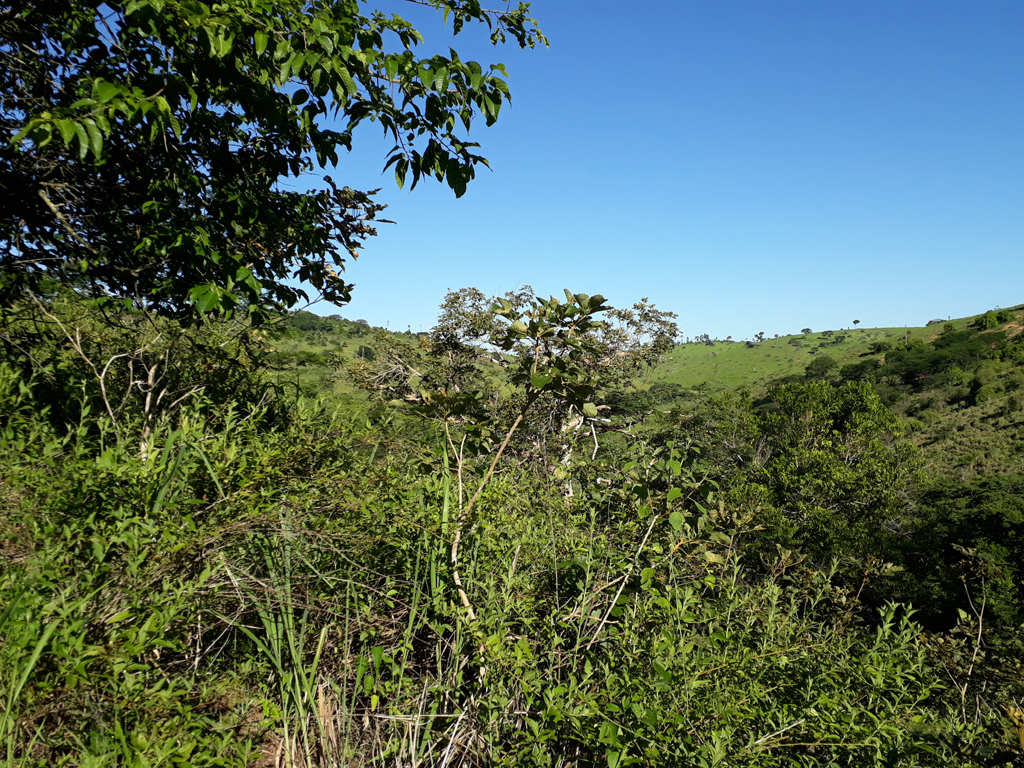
<point x="147" y="145"/>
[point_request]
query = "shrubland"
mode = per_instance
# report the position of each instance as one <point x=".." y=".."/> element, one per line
<point x="511" y="562"/>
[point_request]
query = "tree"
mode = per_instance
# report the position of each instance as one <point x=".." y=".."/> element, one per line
<point x="151" y="140"/>
<point x="820" y="367"/>
<point x="556" y="356"/>
<point x="705" y="339"/>
<point x="987" y="322"/>
<point x="856" y="322"/>
<point x="805" y="331"/>
<point x="543" y="346"/>
<point x="833" y="464"/>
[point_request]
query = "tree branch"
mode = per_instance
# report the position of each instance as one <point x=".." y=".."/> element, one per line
<point x="65" y="222"/>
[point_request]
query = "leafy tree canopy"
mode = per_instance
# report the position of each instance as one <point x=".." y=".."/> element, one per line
<point x="820" y="367"/>
<point x="151" y="146"/>
<point x="546" y="346"/>
<point x="824" y="468"/>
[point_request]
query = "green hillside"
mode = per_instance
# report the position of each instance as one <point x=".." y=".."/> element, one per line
<point x="308" y="353"/>
<point x="719" y="365"/>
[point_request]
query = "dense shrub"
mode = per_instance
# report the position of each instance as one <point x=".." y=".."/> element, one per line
<point x="134" y="368"/>
<point x="861" y="371"/>
<point x="820" y="368"/>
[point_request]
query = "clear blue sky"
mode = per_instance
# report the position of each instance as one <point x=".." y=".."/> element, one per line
<point x="752" y="166"/>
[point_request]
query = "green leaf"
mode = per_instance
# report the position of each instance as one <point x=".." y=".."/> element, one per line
<point x="441" y="79"/>
<point x="676" y="520"/>
<point x="539" y="382"/>
<point x="205" y="297"/>
<point x="261" y="38"/>
<point x="346" y="78"/>
<point x="590" y="410"/>
<point x="83" y="141"/>
<point x="95" y="138"/>
<point x="105" y="91"/>
<point x="67" y="130"/>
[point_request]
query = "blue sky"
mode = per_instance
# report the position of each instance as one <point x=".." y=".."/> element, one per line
<point x="752" y="166"/>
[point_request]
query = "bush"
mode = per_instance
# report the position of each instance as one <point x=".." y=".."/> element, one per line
<point x="987" y="322"/>
<point x="983" y="394"/>
<point x="135" y="369"/>
<point x="820" y="368"/>
<point x="1014" y="381"/>
<point x="247" y="591"/>
<point x="862" y="371"/>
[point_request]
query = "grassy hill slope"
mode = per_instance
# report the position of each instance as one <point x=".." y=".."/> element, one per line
<point x="724" y="365"/>
<point x="958" y="385"/>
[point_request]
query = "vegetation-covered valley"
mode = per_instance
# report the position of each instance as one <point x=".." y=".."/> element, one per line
<point x="490" y="545"/>
<point x="542" y="533"/>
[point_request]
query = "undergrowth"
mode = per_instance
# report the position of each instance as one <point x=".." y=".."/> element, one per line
<point x="240" y="595"/>
<point x="194" y="578"/>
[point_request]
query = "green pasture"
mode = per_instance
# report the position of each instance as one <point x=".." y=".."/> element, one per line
<point x="732" y="364"/>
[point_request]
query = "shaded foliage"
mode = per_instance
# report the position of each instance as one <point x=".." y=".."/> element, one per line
<point x="150" y="141"/>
